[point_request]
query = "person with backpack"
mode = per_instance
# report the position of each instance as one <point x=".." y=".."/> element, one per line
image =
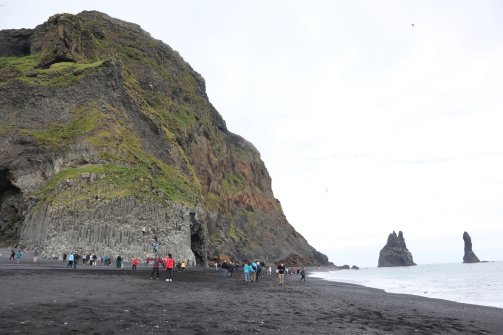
<point x="253" y="271"/>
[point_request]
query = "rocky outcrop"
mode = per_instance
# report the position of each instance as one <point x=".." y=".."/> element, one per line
<point x="105" y="130"/>
<point x="469" y="256"/>
<point x="395" y="252"/>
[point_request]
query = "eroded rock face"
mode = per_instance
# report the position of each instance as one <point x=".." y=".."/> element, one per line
<point x="469" y="256"/>
<point x="104" y="130"/>
<point x="395" y="252"/>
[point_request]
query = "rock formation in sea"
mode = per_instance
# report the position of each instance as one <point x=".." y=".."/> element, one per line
<point x="469" y="256"/>
<point x="395" y="252"/>
<point x="109" y="144"/>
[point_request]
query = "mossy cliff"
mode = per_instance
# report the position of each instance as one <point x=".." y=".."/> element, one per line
<point x="105" y="131"/>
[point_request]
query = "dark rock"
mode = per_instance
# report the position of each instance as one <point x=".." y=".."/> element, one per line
<point x="120" y="135"/>
<point x="15" y="42"/>
<point x="469" y="256"/>
<point x="395" y="252"/>
<point x="354" y="267"/>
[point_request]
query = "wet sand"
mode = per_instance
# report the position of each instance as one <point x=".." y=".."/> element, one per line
<point x="46" y="298"/>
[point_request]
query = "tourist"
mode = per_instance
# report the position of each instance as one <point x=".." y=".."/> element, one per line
<point x="259" y="270"/>
<point x="64" y="257"/>
<point x="70" y="260"/>
<point x="246" y="271"/>
<point x="35" y="256"/>
<point x="231" y="269"/>
<point x="135" y="263"/>
<point x="94" y="258"/>
<point x="182" y="265"/>
<point x="178" y="266"/>
<point x="281" y="274"/>
<point x="155" y="267"/>
<point x="118" y="262"/>
<point x="76" y="258"/>
<point x="224" y="268"/>
<point x="302" y="274"/>
<point x="19" y="254"/>
<point x="188" y="262"/>
<point x="253" y="271"/>
<point x="12" y="255"/>
<point x="169" y="268"/>
<point x="269" y="270"/>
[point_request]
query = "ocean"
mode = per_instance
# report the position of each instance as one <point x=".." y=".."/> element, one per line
<point x="478" y="283"/>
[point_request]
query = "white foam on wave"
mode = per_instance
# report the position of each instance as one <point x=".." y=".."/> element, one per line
<point x="478" y="284"/>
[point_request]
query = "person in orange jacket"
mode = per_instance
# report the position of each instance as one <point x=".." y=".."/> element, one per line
<point x="169" y="267"/>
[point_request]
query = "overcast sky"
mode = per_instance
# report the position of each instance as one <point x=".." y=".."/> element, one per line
<point x="371" y="116"/>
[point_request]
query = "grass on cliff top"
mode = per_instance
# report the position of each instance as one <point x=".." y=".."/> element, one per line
<point x="58" y="74"/>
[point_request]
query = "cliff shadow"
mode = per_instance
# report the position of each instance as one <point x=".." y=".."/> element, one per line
<point x="11" y="210"/>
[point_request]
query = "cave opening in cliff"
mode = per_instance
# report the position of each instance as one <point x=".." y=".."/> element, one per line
<point x="198" y="240"/>
<point x="11" y="203"/>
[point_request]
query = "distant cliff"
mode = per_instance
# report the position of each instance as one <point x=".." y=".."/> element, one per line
<point x="469" y="256"/>
<point x="395" y="252"/>
<point x="105" y="131"/>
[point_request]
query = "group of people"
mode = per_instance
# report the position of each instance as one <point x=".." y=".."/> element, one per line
<point x="15" y="256"/>
<point x="252" y="270"/>
<point x="167" y="263"/>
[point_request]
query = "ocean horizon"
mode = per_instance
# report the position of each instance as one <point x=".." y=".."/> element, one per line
<point x="475" y="283"/>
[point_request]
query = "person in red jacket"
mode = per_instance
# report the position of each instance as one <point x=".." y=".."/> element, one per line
<point x="169" y="267"/>
<point x="135" y="263"/>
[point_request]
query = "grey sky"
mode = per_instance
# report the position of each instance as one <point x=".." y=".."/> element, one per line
<point x="366" y="123"/>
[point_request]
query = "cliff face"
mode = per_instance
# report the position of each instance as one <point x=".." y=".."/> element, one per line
<point x="395" y="252"/>
<point x="469" y="256"/>
<point x="105" y="131"/>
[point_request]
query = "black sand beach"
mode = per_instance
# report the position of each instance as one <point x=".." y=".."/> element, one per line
<point x="48" y="299"/>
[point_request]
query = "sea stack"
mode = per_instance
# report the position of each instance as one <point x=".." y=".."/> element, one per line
<point x="395" y="252"/>
<point x="469" y="256"/>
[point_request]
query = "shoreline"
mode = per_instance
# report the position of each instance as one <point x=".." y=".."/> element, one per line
<point x="48" y="299"/>
<point x="395" y="283"/>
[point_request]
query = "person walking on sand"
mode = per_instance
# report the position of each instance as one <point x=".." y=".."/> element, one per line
<point x="169" y="268"/>
<point x="302" y="274"/>
<point x="281" y="274"/>
<point x="12" y="255"/>
<point x="155" y="267"/>
<point x="182" y="265"/>
<point x="135" y="263"/>
<point x="19" y="254"/>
